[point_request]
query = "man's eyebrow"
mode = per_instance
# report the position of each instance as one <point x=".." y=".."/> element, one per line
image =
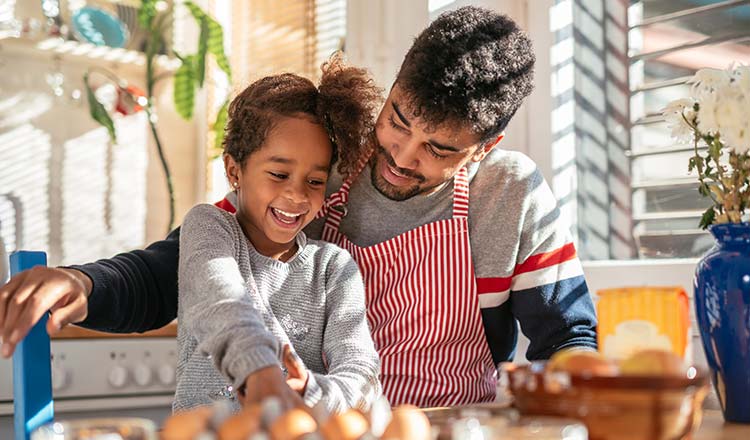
<point x="440" y="146"/>
<point x="400" y="115"/>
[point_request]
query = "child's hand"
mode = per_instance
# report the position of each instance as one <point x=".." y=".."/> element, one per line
<point x="296" y="373"/>
<point x="268" y="382"/>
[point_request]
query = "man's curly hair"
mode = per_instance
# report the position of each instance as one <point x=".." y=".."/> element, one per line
<point x="471" y="67"/>
<point x="344" y="103"/>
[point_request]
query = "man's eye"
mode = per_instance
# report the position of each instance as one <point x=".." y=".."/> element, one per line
<point x="279" y="176"/>
<point x="434" y="153"/>
<point x="394" y="125"/>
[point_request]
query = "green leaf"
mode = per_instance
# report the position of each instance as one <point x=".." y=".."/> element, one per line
<point x="184" y="87"/>
<point x="98" y="112"/>
<point x="215" y="41"/>
<point x="707" y="218"/>
<point x="691" y="164"/>
<point x="703" y="189"/>
<point x="146" y="13"/>
<point x="200" y="57"/>
<point x="220" y="126"/>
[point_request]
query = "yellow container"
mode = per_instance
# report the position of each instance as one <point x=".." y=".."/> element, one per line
<point x="635" y="318"/>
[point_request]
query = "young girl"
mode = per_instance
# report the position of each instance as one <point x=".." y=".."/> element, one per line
<point x="251" y="283"/>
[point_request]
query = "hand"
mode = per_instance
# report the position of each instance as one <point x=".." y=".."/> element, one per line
<point x="31" y="293"/>
<point x="268" y="382"/>
<point x="296" y="372"/>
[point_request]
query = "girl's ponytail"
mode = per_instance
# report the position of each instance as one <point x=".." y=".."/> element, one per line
<point x="347" y="105"/>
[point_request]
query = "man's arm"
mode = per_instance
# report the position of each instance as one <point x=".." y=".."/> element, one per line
<point x="548" y="292"/>
<point x="134" y="291"/>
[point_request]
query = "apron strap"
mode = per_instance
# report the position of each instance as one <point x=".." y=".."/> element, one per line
<point x="341" y="197"/>
<point x="461" y="194"/>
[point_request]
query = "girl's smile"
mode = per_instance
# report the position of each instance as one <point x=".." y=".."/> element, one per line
<point x="281" y="186"/>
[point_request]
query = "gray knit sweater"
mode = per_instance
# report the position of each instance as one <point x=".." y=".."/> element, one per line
<point x="237" y="308"/>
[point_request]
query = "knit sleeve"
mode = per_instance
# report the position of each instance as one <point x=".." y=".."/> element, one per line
<point x="214" y="304"/>
<point x="353" y="364"/>
<point x="548" y="292"/>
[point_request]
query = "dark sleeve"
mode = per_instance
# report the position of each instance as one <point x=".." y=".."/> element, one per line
<point x="134" y="291"/>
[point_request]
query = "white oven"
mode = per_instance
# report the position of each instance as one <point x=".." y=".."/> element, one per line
<point x="102" y="376"/>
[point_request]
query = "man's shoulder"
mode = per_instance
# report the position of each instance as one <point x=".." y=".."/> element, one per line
<point x="504" y="164"/>
<point x="503" y="173"/>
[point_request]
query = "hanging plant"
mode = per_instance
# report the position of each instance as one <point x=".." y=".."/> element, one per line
<point x="189" y="77"/>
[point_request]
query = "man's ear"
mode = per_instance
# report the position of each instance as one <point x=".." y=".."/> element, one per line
<point x="484" y="151"/>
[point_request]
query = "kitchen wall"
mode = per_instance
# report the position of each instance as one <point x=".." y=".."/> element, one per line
<point x="64" y="188"/>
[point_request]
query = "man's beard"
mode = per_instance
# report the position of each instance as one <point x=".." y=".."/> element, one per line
<point x="386" y="188"/>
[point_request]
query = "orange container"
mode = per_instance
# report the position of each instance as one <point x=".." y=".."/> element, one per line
<point x="633" y="318"/>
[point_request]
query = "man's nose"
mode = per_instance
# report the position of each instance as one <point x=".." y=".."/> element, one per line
<point x="405" y="154"/>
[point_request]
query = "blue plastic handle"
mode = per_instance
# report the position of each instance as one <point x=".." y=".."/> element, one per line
<point x="32" y="370"/>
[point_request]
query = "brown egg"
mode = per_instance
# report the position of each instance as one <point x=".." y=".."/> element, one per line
<point x="349" y="425"/>
<point x="407" y="423"/>
<point x="242" y="425"/>
<point x="186" y="425"/>
<point x="292" y="425"/>
<point x="653" y="363"/>
<point x="582" y="362"/>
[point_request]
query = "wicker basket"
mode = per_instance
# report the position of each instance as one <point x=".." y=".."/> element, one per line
<point x="614" y="408"/>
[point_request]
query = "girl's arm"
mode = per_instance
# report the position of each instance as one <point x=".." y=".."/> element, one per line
<point x="215" y="306"/>
<point x="353" y="364"/>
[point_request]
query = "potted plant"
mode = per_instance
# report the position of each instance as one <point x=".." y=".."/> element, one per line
<point x="153" y="17"/>
<point x="716" y="120"/>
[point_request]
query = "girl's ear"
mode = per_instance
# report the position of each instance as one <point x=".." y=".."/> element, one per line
<point x="232" y="170"/>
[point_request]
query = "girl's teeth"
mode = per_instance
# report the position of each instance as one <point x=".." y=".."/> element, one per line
<point x="286" y="217"/>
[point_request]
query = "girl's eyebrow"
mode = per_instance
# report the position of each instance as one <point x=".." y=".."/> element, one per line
<point x="287" y="161"/>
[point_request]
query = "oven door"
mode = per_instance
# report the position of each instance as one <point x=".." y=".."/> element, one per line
<point x="103" y="377"/>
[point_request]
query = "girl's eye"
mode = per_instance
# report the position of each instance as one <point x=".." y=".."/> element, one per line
<point x="279" y="176"/>
<point x="317" y="182"/>
<point x="396" y="126"/>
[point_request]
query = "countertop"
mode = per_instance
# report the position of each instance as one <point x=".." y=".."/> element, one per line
<point x="714" y="428"/>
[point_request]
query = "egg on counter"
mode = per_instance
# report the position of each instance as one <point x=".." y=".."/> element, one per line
<point x="292" y="425"/>
<point x="408" y="422"/>
<point x="187" y="425"/>
<point x="242" y="425"/>
<point x="349" y="425"/>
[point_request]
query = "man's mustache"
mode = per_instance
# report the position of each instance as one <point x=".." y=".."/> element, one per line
<point x="392" y="163"/>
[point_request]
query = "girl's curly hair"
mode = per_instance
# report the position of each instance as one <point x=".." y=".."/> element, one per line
<point x="344" y="103"/>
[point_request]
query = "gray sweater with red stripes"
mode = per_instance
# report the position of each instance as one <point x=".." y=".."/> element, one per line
<point x="522" y="253"/>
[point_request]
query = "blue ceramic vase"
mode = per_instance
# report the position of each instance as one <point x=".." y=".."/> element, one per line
<point x="722" y="309"/>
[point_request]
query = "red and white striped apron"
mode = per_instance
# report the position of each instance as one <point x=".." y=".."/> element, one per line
<point x="423" y="307"/>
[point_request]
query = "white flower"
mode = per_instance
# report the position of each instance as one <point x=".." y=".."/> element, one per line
<point x="742" y="78"/>
<point x="707" y="81"/>
<point x="675" y="114"/>
<point x="706" y="118"/>
<point x="734" y="122"/>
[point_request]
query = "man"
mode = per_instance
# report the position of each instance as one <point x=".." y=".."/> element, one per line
<point x="456" y="239"/>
